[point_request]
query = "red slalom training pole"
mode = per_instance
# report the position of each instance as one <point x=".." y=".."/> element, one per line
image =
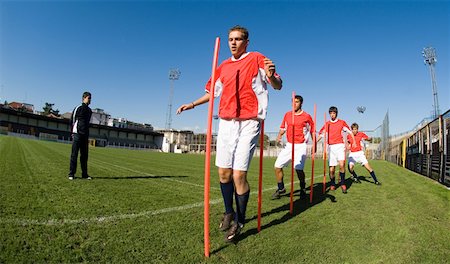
<point x="312" y="156"/>
<point x="292" y="158"/>
<point x="208" y="148"/>
<point x="325" y="154"/>
<point x="261" y="155"/>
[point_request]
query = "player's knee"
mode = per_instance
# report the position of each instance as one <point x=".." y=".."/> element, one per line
<point x="225" y="175"/>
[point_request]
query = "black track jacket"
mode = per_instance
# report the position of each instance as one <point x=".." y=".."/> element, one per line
<point x="80" y="119"/>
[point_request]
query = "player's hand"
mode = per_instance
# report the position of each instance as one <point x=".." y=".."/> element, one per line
<point x="354" y="145"/>
<point x="278" y="139"/>
<point x="184" y="108"/>
<point x="269" y="67"/>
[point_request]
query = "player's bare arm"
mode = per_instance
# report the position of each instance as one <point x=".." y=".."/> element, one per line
<point x="269" y="68"/>
<point x="280" y="135"/>
<point x="199" y="101"/>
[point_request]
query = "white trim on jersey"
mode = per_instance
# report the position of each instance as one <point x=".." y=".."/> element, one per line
<point x="75" y="122"/>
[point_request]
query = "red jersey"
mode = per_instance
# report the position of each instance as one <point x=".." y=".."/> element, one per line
<point x="358" y="137"/>
<point x="242" y="85"/>
<point x="335" y="129"/>
<point x="302" y="124"/>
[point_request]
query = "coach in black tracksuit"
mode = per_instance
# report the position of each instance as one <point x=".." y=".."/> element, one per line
<point x="79" y="121"/>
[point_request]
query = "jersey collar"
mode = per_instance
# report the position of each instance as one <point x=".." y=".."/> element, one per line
<point x="240" y="58"/>
<point x="337" y="119"/>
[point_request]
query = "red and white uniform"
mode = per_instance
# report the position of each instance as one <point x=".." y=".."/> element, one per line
<point x="334" y="135"/>
<point x="242" y="85"/>
<point x="303" y="123"/>
<point x="359" y="137"/>
<point x="356" y="153"/>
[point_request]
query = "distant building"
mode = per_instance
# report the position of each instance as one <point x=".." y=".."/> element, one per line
<point x="67" y="115"/>
<point x="23" y="107"/>
<point x="118" y="122"/>
<point x="39" y="126"/>
<point x="100" y="117"/>
<point x="177" y="141"/>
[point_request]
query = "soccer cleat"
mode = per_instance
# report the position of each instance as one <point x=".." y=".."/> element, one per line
<point x="378" y="183"/>
<point x="86" y="178"/>
<point x="226" y="221"/>
<point x="277" y="194"/>
<point x="332" y="187"/>
<point x="71" y="177"/>
<point x="344" y="188"/>
<point x="233" y="232"/>
<point x="303" y="194"/>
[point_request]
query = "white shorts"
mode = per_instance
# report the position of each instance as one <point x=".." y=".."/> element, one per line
<point x="336" y="152"/>
<point x="285" y="156"/>
<point x="236" y="142"/>
<point x="357" y="157"/>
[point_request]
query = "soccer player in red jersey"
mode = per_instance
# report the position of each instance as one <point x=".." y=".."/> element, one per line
<point x="242" y="84"/>
<point x="332" y="131"/>
<point x="357" y="154"/>
<point x="303" y="124"/>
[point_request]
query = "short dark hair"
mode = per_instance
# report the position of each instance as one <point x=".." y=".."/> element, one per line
<point x="333" y="109"/>
<point x="86" y="94"/>
<point x="299" y="97"/>
<point x="354" y="125"/>
<point x="241" y="29"/>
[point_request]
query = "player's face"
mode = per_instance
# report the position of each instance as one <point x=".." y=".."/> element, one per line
<point x="87" y="100"/>
<point x="236" y="42"/>
<point x="354" y="131"/>
<point x="333" y="115"/>
<point x="298" y="105"/>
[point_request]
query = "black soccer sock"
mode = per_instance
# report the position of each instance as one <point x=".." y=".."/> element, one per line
<point x="373" y="176"/>
<point x="333" y="181"/>
<point x="227" y="194"/>
<point x="353" y="172"/>
<point x="301" y="178"/>
<point x="281" y="185"/>
<point x="241" y="206"/>
<point x="342" y="176"/>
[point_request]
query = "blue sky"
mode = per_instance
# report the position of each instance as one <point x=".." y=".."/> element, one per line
<point x="342" y="53"/>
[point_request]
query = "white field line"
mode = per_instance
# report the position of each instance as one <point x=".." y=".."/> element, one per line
<point x="150" y="174"/>
<point x="103" y="219"/>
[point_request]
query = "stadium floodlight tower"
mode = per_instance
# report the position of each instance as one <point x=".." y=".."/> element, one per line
<point x="361" y="109"/>
<point x="174" y="74"/>
<point x="429" y="54"/>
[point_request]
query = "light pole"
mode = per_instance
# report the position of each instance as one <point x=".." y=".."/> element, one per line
<point x="174" y="74"/>
<point x="429" y="53"/>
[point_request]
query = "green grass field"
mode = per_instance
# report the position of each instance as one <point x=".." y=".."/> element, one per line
<point x="148" y="207"/>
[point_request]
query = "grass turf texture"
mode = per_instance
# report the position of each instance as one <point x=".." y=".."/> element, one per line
<point x="147" y="207"/>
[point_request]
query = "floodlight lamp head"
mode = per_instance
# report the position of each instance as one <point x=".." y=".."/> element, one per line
<point x="429" y="53"/>
<point x="361" y="109"/>
<point x="174" y="74"/>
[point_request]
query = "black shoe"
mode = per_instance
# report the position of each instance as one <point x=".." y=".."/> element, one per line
<point x="233" y="232"/>
<point x="277" y="194"/>
<point x="226" y="221"/>
<point x="303" y="194"/>
<point x="86" y="177"/>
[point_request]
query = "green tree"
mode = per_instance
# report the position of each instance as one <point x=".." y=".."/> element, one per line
<point x="48" y="109"/>
<point x="266" y="141"/>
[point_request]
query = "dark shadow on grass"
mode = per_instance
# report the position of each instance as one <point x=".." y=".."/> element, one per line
<point x="299" y="206"/>
<point x="364" y="178"/>
<point x="135" y="177"/>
